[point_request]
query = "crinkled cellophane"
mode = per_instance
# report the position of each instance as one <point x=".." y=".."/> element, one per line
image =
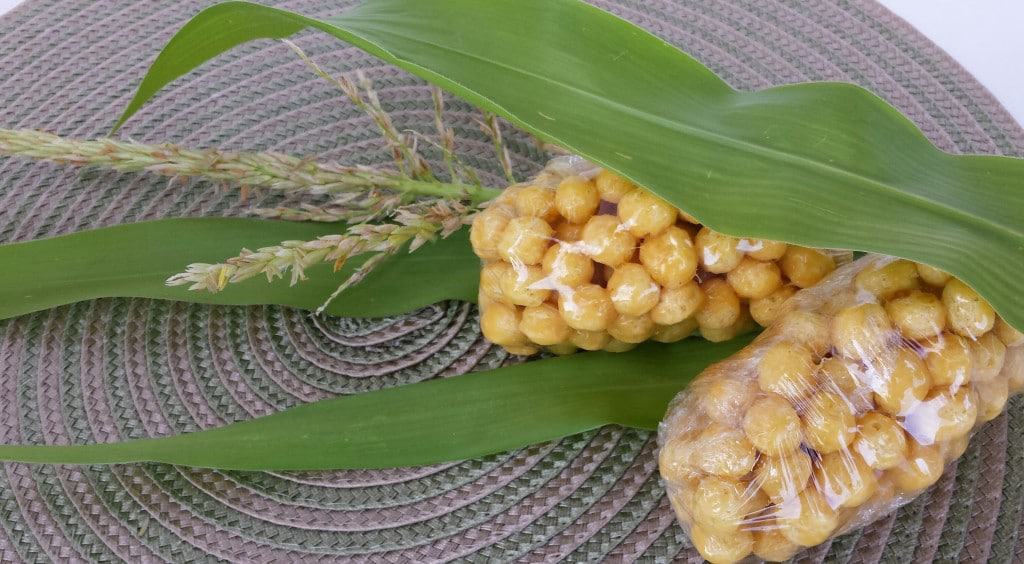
<point x="849" y="405"/>
<point x="580" y="258"/>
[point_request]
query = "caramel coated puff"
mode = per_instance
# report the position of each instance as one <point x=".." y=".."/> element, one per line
<point x="607" y="241"/>
<point x="586" y="308"/>
<point x="632" y="290"/>
<point x="754" y="279"/>
<point x="888" y="279"/>
<point x="612" y="187"/>
<point x="486" y="231"/>
<point x="767" y="309"/>
<point x="721" y="305"/>
<point x="969" y="315"/>
<point x="577" y="199"/>
<point x="525" y="240"/>
<point x="806" y="267"/>
<point x="773" y="426"/>
<point x="645" y="214"/>
<point x="787" y="369"/>
<point x="718" y="253"/>
<point x="669" y="257"/>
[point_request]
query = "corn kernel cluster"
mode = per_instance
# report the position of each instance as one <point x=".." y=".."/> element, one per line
<point x="591" y="261"/>
<point x="848" y="406"/>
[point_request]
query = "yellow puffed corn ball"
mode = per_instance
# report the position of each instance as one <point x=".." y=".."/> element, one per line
<point x="725" y="451"/>
<point x="787" y="369"/>
<point x="806" y="267"/>
<point x="783" y="477"/>
<point x="905" y="387"/>
<point x="743" y="324"/>
<point x="754" y="279"/>
<point x="773" y="426"/>
<point x="607" y="241"/>
<point x="807" y="328"/>
<point x="880" y="441"/>
<point x="932" y="276"/>
<point x="918" y="315"/>
<point x="722" y="504"/>
<point x="844" y="479"/>
<point x="834" y="375"/>
<point x="992" y="396"/>
<point x="763" y="249"/>
<point x="537" y="201"/>
<point x="525" y="286"/>
<point x="1013" y="368"/>
<point x="942" y="416"/>
<point x="565" y="267"/>
<point x="590" y="340"/>
<point x="722" y="549"/>
<point x="862" y="331"/>
<point x="645" y="214"/>
<point x="486" y="231"/>
<point x="576" y="199"/>
<point x="491" y="276"/>
<point x="670" y="257"/>
<point x="922" y="468"/>
<point x="522" y="350"/>
<point x="616" y="346"/>
<point x="771" y="545"/>
<point x="828" y="421"/>
<point x="543" y="325"/>
<point x="987" y="356"/>
<point x="632" y="290"/>
<point x="675" y="332"/>
<point x="675" y="460"/>
<point x="726" y="399"/>
<point x="949" y="360"/>
<point x="889" y="279"/>
<point x="612" y="187"/>
<point x="525" y="240"/>
<point x="587" y="308"/>
<point x="568" y="232"/>
<point x="767" y="309"/>
<point x="969" y="315"/>
<point x="807" y="519"/>
<point x="500" y="325"/>
<point x="718" y="253"/>
<point x="631" y="329"/>
<point x="682" y="503"/>
<point x="721" y="305"/>
<point x="678" y="304"/>
<point x="562" y="349"/>
<point x="1007" y="334"/>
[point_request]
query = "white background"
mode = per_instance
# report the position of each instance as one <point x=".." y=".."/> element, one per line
<point x="985" y="36"/>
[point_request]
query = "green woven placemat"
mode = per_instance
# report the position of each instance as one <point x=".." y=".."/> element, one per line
<point x="112" y="369"/>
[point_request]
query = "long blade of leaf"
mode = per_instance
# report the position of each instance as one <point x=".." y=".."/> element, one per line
<point x="134" y="260"/>
<point x="823" y="164"/>
<point x="429" y="422"/>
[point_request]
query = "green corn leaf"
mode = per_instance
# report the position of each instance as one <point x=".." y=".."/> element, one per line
<point x="822" y="164"/>
<point x="134" y="260"/>
<point x="433" y="421"/>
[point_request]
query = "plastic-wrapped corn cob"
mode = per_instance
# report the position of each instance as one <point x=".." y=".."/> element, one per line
<point x="580" y="258"/>
<point x="846" y="407"/>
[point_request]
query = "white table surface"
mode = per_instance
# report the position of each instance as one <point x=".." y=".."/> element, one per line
<point x="985" y="36"/>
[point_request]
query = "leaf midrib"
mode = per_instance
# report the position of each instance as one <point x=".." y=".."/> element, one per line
<point x="784" y="156"/>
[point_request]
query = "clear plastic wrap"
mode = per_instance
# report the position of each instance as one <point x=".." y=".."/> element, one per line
<point x="580" y="258"/>
<point x="849" y="405"/>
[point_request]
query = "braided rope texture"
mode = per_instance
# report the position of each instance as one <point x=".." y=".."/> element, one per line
<point x="116" y="368"/>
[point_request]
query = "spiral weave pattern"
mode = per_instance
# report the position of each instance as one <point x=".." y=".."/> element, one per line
<point x="115" y="369"/>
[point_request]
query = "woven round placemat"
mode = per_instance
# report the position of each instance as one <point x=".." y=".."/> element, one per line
<point x="117" y="368"/>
